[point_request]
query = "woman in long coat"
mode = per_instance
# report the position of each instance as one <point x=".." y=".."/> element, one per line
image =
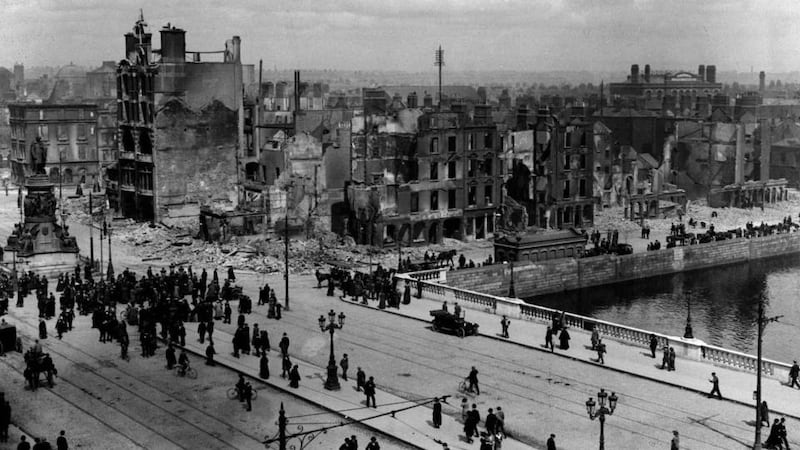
<point x="264" y="367"/>
<point x="294" y="377"/>
<point x="563" y="339"/>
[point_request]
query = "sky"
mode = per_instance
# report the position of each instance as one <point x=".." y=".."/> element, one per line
<point x="524" y="35"/>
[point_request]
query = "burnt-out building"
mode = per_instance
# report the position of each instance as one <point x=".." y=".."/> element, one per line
<point x="551" y="171"/>
<point x="425" y="176"/>
<point x="179" y="122"/>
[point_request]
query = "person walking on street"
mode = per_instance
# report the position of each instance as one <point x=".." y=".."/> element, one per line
<point x="170" y="355"/>
<point x="601" y="349"/>
<point x="675" y="444"/>
<point x="369" y="391"/>
<point x="765" y="412"/>
<point x="456" y="310"/>
<point x="653" y="345"/>
<point x="501" y="421"/>
<point x="361" y="379"/>
<point x="551" y="442"/>
<point x="473" y="381"/>
<point x="665" y="358"/>
<point x="5" y="420"/>
<point x="563" y="339"/>
<point x="715" y="386"/>
<point x="263" y="364"/>
<point x="61" y="441"/>
<point x="490" y="422"/>
<point x="294" y="377"/>
<point x="548" y="338"/>
<point x="23" y="444"/>
<point x="595" y="339"/>
<point x="248" y="395"/>
<point x="794" y="372"/>
<point x="344" y="364"/>
<point x="782" y="438"/>
<point x="437" y="413"/>
<point x="671" y="362"/>
<point x="504" y="323"/>
<point x="286" y="366"/>
<point x="210" y="352"/>
<point x="284" y="345"/>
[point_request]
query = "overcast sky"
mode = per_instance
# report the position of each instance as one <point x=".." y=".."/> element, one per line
<point x="534" y="35"/>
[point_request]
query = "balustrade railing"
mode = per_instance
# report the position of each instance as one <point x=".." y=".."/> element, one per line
<point x="434" y="290"/>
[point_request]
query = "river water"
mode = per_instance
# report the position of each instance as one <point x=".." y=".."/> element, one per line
<point x="724" y="305"/>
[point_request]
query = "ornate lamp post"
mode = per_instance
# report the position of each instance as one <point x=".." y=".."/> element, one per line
<point x="332" y="383"/>
<point x="602" y="411"/>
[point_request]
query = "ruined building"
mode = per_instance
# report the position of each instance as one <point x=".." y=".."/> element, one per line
<point x="551" y="170"/>
<point x="420" y="176"/>
<point x="180" y="124"/>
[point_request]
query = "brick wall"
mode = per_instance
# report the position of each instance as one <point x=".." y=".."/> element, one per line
<point x="565" y="274"/>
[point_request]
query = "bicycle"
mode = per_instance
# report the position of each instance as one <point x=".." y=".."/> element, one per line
<point x="233" y="393"/>
<point x="463" y="386"/>
<point x="190" y="372"/>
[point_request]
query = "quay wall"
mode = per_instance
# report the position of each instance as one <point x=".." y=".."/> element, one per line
<point x="546" y="277"/>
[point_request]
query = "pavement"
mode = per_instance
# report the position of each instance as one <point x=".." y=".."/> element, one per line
<point x="410" y="426"/>
<point x="736" y="386"/>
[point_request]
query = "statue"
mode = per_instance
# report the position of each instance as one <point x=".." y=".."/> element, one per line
<point x="38" y="156"/>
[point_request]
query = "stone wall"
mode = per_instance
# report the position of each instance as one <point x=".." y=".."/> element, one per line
<point x="547" y="277"/>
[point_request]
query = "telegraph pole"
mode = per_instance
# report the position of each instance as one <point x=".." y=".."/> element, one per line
<point x="439" y="62"/>
<point x="91" y="233"/>
<point x="762" y="322"/>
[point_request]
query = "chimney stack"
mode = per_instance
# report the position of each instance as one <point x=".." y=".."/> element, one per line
<point x="635" y="73"/>
<point x="647" y="73"/>
<point x="711" y="74"/>
<point x="762" y="79"/>
<point x="701" y="72"/>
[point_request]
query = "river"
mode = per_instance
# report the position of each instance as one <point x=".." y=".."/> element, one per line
<point x="724" y="305"/>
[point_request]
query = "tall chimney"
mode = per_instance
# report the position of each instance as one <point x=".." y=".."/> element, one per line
<point x="762" y="79"/>
<point x="711" y="74"/>
<point x="647" y="73"/>
<point x="766" y="148"/>
<point x="739" y="167"/>
<point x="701" y="72"/>
<point x="635" y="73"/>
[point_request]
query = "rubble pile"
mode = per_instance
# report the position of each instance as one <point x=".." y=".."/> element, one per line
<point x="727" y="218"/>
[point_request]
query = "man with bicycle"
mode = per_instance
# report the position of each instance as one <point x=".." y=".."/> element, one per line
<point x="183" y="363"/>
<point x="473" y="381"/>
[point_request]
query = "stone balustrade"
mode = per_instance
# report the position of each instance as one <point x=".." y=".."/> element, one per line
<point x="431" y="287"/>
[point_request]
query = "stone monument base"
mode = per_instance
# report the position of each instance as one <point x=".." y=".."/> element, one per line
<point x="48" y="264"/>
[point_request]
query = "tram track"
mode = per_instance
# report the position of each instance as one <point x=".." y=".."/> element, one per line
<point x="174" y="400"/>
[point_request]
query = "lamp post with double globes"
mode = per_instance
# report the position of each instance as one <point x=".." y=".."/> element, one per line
<point x="602" y="411"/>
<point x="332" y="382"/>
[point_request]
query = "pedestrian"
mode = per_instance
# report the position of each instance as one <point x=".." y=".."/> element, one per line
<point x="294" y="377"/>
<point x="373" y="444"/>
<point x="456" y="310"/>
<point x="665" y="358"/>
<point x="61" y="441"/>
<point x="464" y="409"/>
<point x="42" y="329"/>
<point x="490" y="422"/>
<point x="23" y="444"/>
<point x="201" y="330"/>
<point x="407" y="294"/>
<point x="361" y="379"/>
<point x="794" y="372"/>
<point x="715" y="383"/>
<point x="653" y="344"/>
<point x="344" y="364"/>
<point x="210" y="352"/>
<point x="263" y="367"/>
<point x="601" y="349"/>
<point x="231" y="275"/>
<point x="773" y="440"/>
<point x="284" y="345"/>
<point x="595" y="338"/>
<point x="551" y="442"/>
<point x="228" y="312"/>
<point x="504" y="323"/>
<point x="437" y="413"/>
<point x="265" y="347"/>
<point x="548" y="338"/>
<point x="369" y="391"/>
<point x="473" y="381"/>
<point x="286" y="366"/>
<point x="471" y="425"/>
<point x="671" y="358"/>
<point x="782" y="437"/>
<point x="256" y="341"/>
<point x="764" y="412"/>
<point x="563" y="339"/>
<point x="5" y="420"/>
<point x="170" y="355"/>
<point x="676" y="442"/>
<point x="248" y="395"/>
<point x="353" y="443"/>
<point x="278" y="308"/>
<point x="501" y="421"/>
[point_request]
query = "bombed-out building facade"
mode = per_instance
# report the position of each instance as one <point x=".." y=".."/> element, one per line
<point x="179" y="124"/>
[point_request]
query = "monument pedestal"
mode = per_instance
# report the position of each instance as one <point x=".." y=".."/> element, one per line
<point x="40" y="243"/>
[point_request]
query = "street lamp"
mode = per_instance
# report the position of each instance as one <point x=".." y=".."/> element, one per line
<point x="601" y="412"/>
<point x="91" y="232"/>
<point x="107" y="229"/>
<point x="688" y="332"/>
<point x="332" y="383"/>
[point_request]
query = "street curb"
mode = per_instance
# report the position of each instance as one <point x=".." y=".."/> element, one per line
<point x="287" y="391"/>
<point x="575" y="358"/>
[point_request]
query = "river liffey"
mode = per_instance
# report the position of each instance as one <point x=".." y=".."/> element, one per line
<point x="724" y="305"/>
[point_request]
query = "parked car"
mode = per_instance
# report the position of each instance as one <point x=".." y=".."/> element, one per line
<point x="447" y="322"/>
